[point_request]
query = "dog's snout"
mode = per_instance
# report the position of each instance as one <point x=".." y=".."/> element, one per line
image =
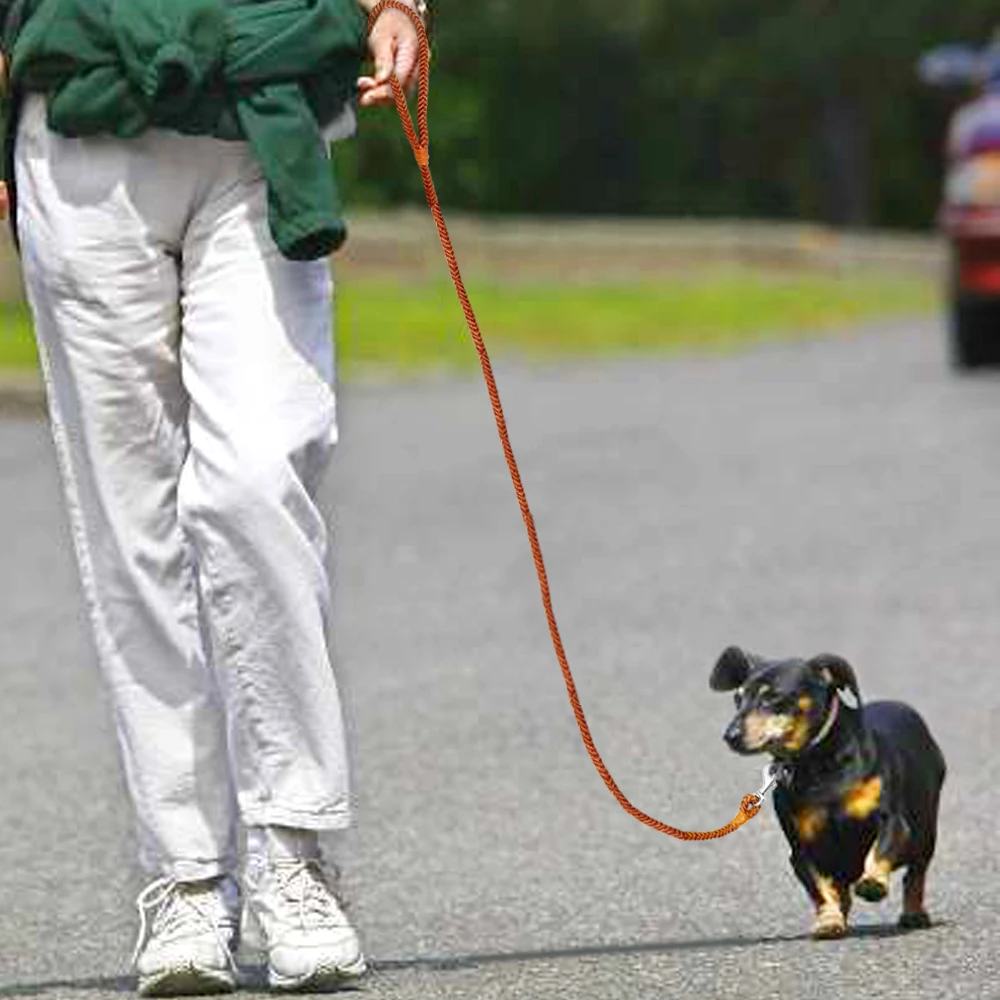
<point x="734" y="734"/>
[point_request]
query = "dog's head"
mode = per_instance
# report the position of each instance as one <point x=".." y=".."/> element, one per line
<point x="783" y="707"/>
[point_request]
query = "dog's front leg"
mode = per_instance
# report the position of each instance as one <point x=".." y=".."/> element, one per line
<point x="832" y="907"/>
<point x="832" y="901"/>
<point x="873" y="885"/>
<point x="883" y="857"/>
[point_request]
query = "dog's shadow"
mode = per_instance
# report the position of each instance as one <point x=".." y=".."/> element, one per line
<point x="472" y="959"/>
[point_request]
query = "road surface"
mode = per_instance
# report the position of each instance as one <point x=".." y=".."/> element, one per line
<point x="842" y="494"/>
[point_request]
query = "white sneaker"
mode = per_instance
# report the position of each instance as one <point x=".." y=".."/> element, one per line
<point x="188" y="947"/>
<point x="293" y="914"/>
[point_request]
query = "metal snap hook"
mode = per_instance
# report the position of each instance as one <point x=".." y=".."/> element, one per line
<point x="768" y="777"/>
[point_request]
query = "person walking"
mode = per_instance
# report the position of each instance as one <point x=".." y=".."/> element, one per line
<point x="172" y="198"/>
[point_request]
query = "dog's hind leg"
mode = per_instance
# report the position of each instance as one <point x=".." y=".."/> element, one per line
<point x="914" y="916"/>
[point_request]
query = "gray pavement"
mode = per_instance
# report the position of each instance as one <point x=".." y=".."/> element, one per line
<point x="842" y="494"/>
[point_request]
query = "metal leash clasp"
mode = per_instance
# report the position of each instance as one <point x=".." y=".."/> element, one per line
<point x="769" y="777"/>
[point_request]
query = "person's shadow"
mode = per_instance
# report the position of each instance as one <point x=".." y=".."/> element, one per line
<point x="253" y="977"/>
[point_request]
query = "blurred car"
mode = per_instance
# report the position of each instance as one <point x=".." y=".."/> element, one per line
<point x="970" y="210"/>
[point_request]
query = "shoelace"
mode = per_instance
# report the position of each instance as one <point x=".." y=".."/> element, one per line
<point x="174" y="906"/>
<point x="303" y="885"/>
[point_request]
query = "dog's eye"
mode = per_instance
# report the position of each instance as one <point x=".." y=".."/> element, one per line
<point x="775" y="701"/>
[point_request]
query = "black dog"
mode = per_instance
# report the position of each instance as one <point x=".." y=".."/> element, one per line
<point x="858" y="787"/>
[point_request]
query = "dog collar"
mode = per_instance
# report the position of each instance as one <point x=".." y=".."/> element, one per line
<point x="831" y="718"/>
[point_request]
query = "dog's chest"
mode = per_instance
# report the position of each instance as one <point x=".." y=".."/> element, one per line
<point x="830" y="814"/>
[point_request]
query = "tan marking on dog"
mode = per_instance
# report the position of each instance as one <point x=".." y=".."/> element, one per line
<point x="862" y="798"/>
<point x="877" y="867"/>
<point x="805" y="703"/>
<point x="762" y="729"/>
<point x="828" y="891"/>
<point x="874" y="882"/>
<point x="798" y="733"/>
<point x="810" y="821"/>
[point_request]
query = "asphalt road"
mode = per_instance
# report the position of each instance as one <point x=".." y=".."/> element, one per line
<point x="837" y="495"/>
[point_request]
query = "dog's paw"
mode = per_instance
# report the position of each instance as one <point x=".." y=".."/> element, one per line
<point x="830" y="923"/>
<point x="872" y="888"/>
<point x="917" y="921"/>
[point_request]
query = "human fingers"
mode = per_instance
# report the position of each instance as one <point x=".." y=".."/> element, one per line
<point x="393" y="45"/>
<point x="372" y="90"/>
<point x="407" y="60"/>
<point x="376" y="89"/>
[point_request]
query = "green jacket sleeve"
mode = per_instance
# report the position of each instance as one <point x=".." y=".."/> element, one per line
<point x="5" y="6"/>
<point x="272" y="72"/>
<point x="8" y="29"/>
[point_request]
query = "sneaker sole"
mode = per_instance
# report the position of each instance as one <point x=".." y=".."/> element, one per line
<point x="322" y="980"/>
<point x="186" y="981"/>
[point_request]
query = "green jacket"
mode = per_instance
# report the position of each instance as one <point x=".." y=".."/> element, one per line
<point x="272" y="72"/>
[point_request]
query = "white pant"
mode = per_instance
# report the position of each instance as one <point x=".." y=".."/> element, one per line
<point x="189" y="370"/>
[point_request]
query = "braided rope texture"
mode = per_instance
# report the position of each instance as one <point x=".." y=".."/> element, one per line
<point x="751" y="804"/>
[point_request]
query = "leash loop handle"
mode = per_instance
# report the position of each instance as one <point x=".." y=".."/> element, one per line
<point x="418" y="137"/>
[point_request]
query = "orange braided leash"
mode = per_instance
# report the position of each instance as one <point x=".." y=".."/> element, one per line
<point x="751" y="804"/>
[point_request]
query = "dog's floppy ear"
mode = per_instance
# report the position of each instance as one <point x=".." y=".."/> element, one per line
<point x="836" y="671"/>
<point x="731" y="669"/>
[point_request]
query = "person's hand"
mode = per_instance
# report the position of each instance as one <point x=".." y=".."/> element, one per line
<point x="394" y="45"/>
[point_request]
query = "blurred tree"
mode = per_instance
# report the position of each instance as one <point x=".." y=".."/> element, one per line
<point x="697" y="107"/>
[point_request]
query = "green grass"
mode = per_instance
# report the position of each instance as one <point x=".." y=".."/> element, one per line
<point x="403" y="329"/>
<point x="409" y="328"/>
<point x="17" y="345"/>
